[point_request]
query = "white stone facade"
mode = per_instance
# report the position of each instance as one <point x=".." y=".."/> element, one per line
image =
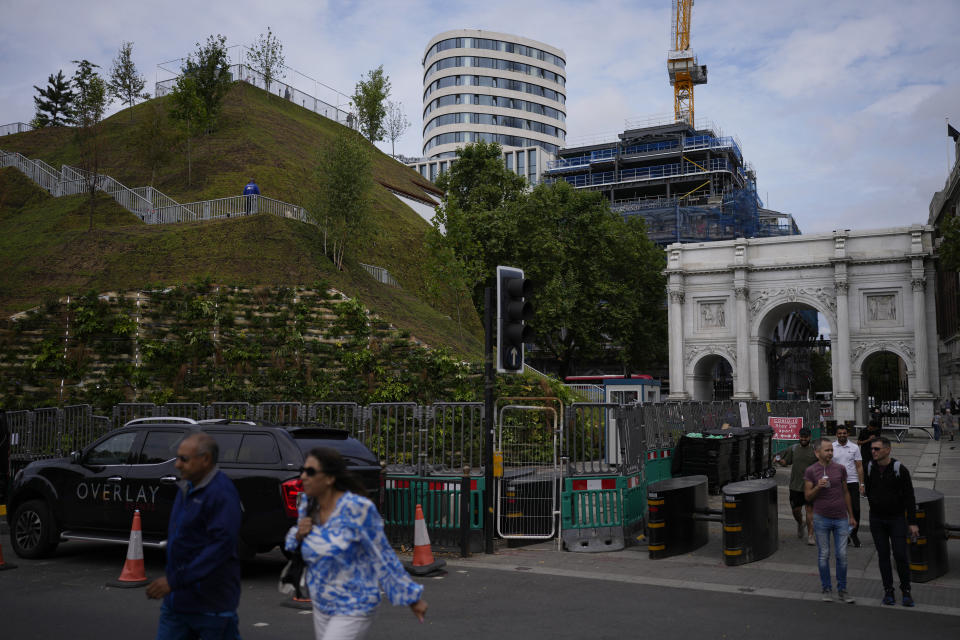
<point x="875" y="288"/>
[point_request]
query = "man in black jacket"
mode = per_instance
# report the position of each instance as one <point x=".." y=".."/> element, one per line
<point x="892" y="514"/>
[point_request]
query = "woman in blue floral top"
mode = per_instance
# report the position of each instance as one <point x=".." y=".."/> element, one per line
<point x="347" y="554"/>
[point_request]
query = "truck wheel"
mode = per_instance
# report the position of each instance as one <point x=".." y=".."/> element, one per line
<point x="34" y="533"/>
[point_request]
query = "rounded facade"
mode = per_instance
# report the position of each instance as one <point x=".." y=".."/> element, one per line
<point x="495" y="87"/>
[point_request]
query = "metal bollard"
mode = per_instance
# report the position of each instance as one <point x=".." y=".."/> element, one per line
<point x="465" y="513"/>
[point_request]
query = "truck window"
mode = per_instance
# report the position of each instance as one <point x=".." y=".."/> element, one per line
<point x="113" y="450"/>
<point x="258" y="448"/>
<point x="159" y="446"/>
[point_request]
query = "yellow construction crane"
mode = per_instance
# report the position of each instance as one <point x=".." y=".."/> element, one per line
<point x="682" y="63"/>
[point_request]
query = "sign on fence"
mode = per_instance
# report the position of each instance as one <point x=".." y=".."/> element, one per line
<point x="785" y="428"/>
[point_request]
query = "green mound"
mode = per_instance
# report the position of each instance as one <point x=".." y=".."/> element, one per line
<point x="47" y="249"/>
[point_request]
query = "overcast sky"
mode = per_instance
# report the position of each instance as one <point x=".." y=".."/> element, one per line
<point x="838" y="104"/>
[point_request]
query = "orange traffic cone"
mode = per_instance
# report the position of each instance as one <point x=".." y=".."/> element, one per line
<point x="133" y="574"/>
<point x="423" y="562"/>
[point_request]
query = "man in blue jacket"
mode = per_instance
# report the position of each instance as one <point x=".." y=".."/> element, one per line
<point x="249" y="191"/>
<point x="201" y="588"/>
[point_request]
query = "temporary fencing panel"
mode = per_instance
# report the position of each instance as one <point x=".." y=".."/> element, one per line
<point x="338" y="415"/>
<point x="192" y="410"/>
<point x="395" y="435"/>
<point x="440" y="499"/>
<point x="283" y="413"/>
<point x="230" y="411"/>
<point x="453" y="438"/>
<point x="127" y="411"/>
<point x="526" y="495"/>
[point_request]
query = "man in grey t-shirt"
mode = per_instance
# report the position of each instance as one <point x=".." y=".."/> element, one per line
<point x="801" y="456"/>
<point x="825" y="485"/>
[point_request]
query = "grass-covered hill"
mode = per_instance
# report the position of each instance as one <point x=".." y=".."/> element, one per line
<point x="48" y="251"/>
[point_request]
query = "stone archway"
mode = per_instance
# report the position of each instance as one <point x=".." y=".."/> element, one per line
<point x="770" y="317"/>
<point x="891" y="396"/>
<point x="871" y="286"/>
<point x="712" y="378"/>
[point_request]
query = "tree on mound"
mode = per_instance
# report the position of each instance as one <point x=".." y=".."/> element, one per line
<point x="342" y="206"/>
<point x="90" y="103"/>
<point x="197" y="96"/>
<point x="126" y="83"/>
<point x="54" y="104"/>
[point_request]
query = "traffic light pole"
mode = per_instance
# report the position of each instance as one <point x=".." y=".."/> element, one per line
<point x="488" y="391"/>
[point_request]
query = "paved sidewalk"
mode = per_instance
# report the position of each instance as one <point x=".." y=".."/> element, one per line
<point x="790" y="573"/>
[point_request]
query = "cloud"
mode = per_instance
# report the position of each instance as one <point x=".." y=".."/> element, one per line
<point x="839" y="106"/>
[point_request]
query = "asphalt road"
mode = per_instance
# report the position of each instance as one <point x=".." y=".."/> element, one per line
<point x="66" y="597"/>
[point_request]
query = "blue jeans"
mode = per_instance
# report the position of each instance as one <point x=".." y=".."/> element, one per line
<point x="839" y="529"/>
<point x="174" y="625"/>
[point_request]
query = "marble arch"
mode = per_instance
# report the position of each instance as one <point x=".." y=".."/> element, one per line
<point x="874" y="287"/>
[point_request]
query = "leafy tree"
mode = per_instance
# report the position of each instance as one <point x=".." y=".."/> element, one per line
<point x="368" y="101"/>
<point x="153" y="138"/>
<point x="599" y="286"/>
<point x="89" y="105"/>
<point x="266" y="56"/>
<point x="125" y="83"/>
<point x="54" y="104"/>
<point x="210" y="71"/>
<point x="342" y="204"/>
<point x="477" y="212"/>
<point x="188" y="109"/>
<point x="396" y="124"/>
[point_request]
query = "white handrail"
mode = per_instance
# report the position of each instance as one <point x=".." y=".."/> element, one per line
<point x="153" y="207"/>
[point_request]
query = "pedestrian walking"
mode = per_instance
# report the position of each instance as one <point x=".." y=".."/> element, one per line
<point x="201" y="588"/>
<point x="800" y="456"/>
<point x="846" y="453"/>
<point x="348" y="558"/>
<point x="936" y="424"/>
<point x="948" y="423"/>
<point x="825" y="485"/>
<point x="893" y="513"/>
<point x="868" y="435"/>
<point x="251" y="190"/>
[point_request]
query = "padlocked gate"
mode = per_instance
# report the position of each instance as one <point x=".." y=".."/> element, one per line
<point x="528" y="472"/>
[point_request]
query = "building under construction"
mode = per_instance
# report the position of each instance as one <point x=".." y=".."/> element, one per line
<point x="690" y="183"/>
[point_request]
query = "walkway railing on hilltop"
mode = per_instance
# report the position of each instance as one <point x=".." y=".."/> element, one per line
<point x="244" y="73"/>
<point x="153" y="207"/>
<point x="14" y="127"/>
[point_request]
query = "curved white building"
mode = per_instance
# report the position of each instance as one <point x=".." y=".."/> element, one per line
<point x="495" y="87"/>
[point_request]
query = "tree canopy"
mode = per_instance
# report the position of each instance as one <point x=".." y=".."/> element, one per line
<point x="126" y="83"/>
<point x="342" y="205"/>
<point x="396" y="124"/>
<point x="598" y="281"/>
<point x="54" y="103"/>
<point x="266" y="56"/>
<point x="210" y="73"/>
<point x="369" y="98"/>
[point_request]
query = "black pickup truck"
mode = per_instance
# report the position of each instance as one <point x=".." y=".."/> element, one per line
<point x="92" y="494"/>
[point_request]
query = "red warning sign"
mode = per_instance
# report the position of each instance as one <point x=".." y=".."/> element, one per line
<point x="785" y="428"/>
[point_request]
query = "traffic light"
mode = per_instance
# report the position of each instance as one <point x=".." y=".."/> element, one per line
<point x="514" y="311"/>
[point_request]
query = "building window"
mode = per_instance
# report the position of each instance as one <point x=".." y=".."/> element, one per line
<point x="520" y="163"/>
<point x="433" y="171"/>
<point x="532" y="165"/>
<point x="509" y="157"/>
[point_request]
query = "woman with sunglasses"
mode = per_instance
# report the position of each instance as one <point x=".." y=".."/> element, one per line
<point x="348" y="557"/>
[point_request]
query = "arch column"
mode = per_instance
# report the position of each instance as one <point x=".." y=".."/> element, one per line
<point x="844" y="402"/>
<point x="743" y="390"/>
<point x="921" y="397"/>
<point x="675" y="319"/>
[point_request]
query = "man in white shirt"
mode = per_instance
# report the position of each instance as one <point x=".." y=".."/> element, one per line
<point x="847" y="453"/>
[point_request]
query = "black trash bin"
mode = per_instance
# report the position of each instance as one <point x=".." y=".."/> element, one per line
<point x="928" y="555"/>
<point x="762" y="459"/>
<point x="705" y="456"/>
<point x="740" y="453"/>
<point x="750" y="525"/>
<point x="671" y="528"/>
